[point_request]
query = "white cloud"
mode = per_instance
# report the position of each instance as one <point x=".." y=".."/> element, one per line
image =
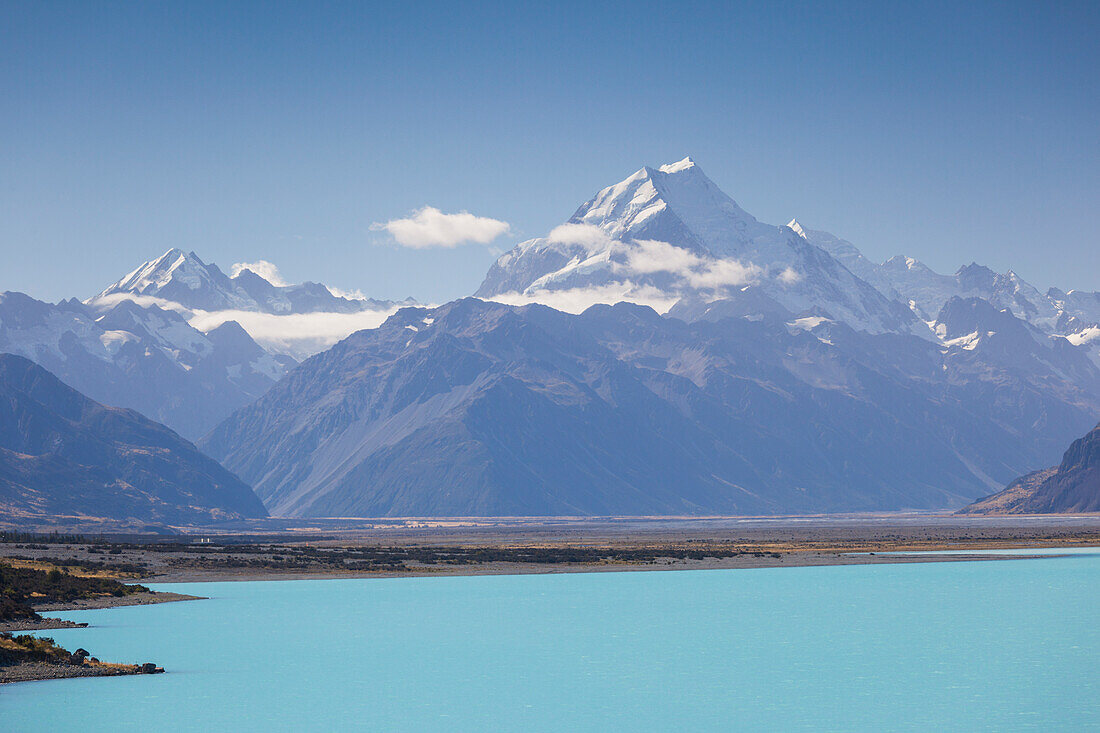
<point x="697" y="271"/>
<point x="430" y="227"/>
<point x="790" y="276"/>
<point x="105" y="302"/>
<point x="587" y="235"/>
<point x="267" y="270"/>
<point x="577" y="300"/>
<point x="648" y="256"/>
<point x="356" y="294"/>
<point x="301" y="335"/>
<point x="717" y="274"/>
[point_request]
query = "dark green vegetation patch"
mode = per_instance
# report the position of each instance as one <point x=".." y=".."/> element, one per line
<point x="22" y="587"/>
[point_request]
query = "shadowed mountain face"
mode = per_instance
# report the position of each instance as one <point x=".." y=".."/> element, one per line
<point x="1072" y="486"/>
<point x="64" y="454"/>
<point x="477" y="408"/>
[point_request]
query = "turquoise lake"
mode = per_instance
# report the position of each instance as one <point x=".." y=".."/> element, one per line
<point x="987" y="645"/>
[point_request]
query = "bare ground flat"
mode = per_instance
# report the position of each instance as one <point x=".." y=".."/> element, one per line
<point x="284" y="549"/>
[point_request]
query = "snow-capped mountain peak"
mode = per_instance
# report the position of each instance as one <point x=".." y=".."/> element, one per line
<point x="184" y="282"/>
<point x="675" y="203"/>
<point x="173" y="265"/>
<point x="296" y="320"/>
<point x="665" y="233"/>
<point x="179" y="277"/>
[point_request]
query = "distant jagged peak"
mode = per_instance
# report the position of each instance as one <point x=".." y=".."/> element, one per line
<point x="977" y="318"/>
<point x="249" y="273"/>
<point x="151" y="276"/>
<point x="976" y="277"/>
<point x="182" y="281"/>
<point x="905" y="262"/>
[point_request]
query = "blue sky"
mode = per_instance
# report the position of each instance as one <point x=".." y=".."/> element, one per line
<point x="950" y="132"/>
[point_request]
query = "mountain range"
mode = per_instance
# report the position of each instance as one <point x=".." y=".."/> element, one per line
<point x="669" y="233"/>
<point x="168" y="339"/>
<point x="480" y="408"/>
<point x="146" y="358"/>
<point x="661" y="351"/>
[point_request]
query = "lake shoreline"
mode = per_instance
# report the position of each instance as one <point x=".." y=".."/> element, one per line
<point x="789" y="559"/>
<point x="86" y="604"/>
<point x="921" y="643"/>
<point x="27" y="590"/>
<point x="881" y="555"/>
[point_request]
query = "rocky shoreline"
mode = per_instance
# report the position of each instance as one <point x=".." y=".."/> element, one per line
<point x="85" y="604"/>
<point x="27" y="658"/>
<point x="26" y="589"/>
<point x="42" y="624"/>
<point x="134" y="599"/>
<point x="35" y="671"/>
<point x="79" y="664"/>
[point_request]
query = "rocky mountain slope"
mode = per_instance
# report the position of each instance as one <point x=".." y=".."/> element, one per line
<point x="1070" y="487"/>
<point x="477" y="408"/>
<point x="62" y="454"/>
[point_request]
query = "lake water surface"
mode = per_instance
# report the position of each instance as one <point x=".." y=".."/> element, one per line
<point x="992" y="645"/>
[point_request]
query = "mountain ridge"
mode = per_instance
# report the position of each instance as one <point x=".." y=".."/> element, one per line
<point x="1073" y="486"/>
<point x="183" y="278"/>
<point x="64" y="454"/>
<point x="477" y="408"/>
